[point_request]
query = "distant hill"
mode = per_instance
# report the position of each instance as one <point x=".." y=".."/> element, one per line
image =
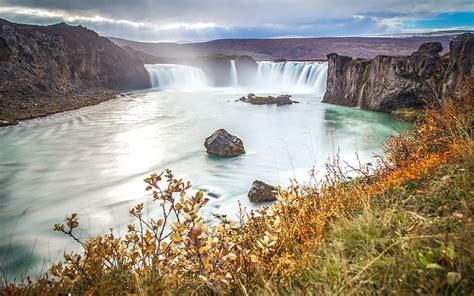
<point x="294" y="48"/>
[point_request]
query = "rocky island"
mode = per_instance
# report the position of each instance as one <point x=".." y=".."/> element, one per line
<point x="49" y="69"/>
<point x="268" y="100"/>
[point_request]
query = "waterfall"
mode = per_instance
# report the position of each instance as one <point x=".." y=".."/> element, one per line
<point x="292" y="76"/>
<point x="272" y="77"/>
<point x="177" y="77"/>
<point x="233" y="74"/>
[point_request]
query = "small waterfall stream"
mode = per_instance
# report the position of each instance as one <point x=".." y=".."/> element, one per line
<point x="233" y="74"/>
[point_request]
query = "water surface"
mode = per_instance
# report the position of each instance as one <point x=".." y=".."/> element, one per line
<point x="92" y="161"/>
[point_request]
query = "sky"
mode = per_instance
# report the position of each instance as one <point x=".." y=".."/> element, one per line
<point x="201" y="20"/>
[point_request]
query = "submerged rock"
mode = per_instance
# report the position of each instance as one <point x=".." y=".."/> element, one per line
<point x="223" y="144"/>
<point x="7" y="123"/>
<point x="261" y="191"/>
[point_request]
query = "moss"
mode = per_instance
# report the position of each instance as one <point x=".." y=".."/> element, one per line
<point x="263" y="100"/>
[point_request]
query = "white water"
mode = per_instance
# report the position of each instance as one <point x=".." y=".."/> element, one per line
<point x="233" y="74"/>
<point x="293" y="76"/>
<point x="287" y="77"/>
<point x="177" y="77"/>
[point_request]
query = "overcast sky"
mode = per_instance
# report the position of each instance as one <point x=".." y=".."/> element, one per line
<point x="180" y="20"/>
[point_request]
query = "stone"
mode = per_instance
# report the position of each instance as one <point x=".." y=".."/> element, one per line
<point x="223" y="144"/>
<point x="261" y="192"/>
<point x="283" y="100"/>
<point x="434" y="47"/>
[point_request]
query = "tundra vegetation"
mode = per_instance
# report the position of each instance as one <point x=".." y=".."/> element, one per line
<point x="403" y="225"/>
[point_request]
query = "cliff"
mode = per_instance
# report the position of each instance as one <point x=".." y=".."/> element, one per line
<point x="386" y="83"/>
<point x="60" y="65"/>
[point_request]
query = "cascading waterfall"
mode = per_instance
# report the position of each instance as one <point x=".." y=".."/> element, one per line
<point x="284" y="77"/>
<point x="293" y="76"/>
<point x="233" y="74"/>
<point x="177" y="77"/>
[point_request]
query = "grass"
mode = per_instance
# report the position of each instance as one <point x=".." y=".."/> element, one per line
<point x="403" y="226"/>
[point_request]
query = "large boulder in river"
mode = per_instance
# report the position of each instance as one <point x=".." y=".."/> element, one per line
<point x="223" y="144"/>
<point x="261" y="191"/>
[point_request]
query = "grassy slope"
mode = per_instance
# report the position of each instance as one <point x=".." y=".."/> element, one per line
<point x="418" y="237"/>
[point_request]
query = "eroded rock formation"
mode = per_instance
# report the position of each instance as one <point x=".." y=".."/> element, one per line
<point x="387" y="83"/>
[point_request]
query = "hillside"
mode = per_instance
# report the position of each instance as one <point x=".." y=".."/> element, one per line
<point x="291" y="48"/>
<point x="47" y="69"/>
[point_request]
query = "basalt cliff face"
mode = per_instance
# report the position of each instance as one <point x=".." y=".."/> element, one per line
<point x="386" y="83"/>
<point x="47" y="69"/>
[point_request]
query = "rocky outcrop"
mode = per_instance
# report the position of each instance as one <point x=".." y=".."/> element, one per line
<point x="461" y="61"/>
<point x="260" y="192"/>
<point x="387" y="83"/>
<point x="246" y="68"/>
<point x="223" y="144"/>
<point x="268" y="100"/>
<point x="218" y="69"/>
<point x="58" y="64"/>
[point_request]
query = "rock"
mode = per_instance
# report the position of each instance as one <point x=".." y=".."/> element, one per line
<point x="7" y="123"/>
<point x="461" y="64"/>
<point x="246" y="68"/>
<point x="434" y="47"/>
<point x="217" y="69"/>
<point x="268" y="100"/>
<point x="386" y="83"/>
<point x="223" y="144"/>
<point x="280" y="60"/>
<point x="261" y="191"/>
<point x="283" y="100"/>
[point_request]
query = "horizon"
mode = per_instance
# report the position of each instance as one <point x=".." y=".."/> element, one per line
<point x="188" y="22"/>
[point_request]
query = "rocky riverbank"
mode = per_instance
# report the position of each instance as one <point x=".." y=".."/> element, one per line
<point x="49" y="69"/>
<point x="13" y="110"/>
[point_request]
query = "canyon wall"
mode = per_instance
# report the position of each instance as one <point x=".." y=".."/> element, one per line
<point x="44" y="64"/>
<point x="386" y="83"/>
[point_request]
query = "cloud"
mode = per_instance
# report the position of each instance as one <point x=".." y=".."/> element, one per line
<point x="207" y="19"/>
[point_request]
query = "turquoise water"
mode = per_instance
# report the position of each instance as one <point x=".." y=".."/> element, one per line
<point x="92" y="161"/>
